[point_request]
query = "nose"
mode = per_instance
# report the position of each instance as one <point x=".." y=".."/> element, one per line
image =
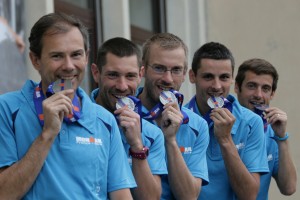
<point x="167" y="77"/>
<point x="216" y="83"/>
<point x="68" y="64"/>
<point x="258" y="92"/>
<point x="121" y="84"/>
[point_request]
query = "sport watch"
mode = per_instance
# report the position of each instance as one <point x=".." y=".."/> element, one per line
<point x="141" y="155"/>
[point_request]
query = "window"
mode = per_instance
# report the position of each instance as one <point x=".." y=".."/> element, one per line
<point x="146" y="17"/>
<point x="89" y="12"/>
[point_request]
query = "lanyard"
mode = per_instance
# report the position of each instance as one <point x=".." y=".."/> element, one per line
<point x="158" y="108"/>
<point x="38" y="98"/>
<point x="193" y="106"/>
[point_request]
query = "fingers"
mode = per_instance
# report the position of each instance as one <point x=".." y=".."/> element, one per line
<point x="274" y="114"/>
<point x="172" y="115"/>
<point x="128" y="118"/>
<point x="58" y="104"/>
<point x="130" y="123"/>
<point x="222" y="115"/>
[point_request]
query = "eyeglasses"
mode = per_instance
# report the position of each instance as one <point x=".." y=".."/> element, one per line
<point x="161" y="69"/>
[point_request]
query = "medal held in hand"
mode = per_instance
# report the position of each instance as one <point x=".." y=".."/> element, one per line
<point x="61" y="84"/>
<point x="260" y="109"/>
<point x="215" y="102"/>
<point x="167" y="97"/>
<point x="125" y="101"/>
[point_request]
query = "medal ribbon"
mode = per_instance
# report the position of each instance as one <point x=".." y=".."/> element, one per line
<point x="158" y="108"/>
<point x="261" y="114"/>
<point x="38" y="98"/>
<point x="193" y="106"/>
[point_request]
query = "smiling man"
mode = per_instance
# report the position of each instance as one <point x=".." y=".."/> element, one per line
<point x="255" y="86"/>
<point x="164" y="68"/>
<point x="59" y="145"/>
<point x="236" y="154"/>
<point x="117" y="72"/>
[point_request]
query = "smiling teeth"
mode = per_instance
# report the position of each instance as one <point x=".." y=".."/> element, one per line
<point x="67" y="78"/>
<point x="120" y="97"/>
<point x="165" y="89"/>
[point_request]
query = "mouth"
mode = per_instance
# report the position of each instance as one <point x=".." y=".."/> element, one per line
<point x="119" y="96"/>
<point x="256" y="103"/>
<point x="213" y="94"/>
<point x="163" y="88"/>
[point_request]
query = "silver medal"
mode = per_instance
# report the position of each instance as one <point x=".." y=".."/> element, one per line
<point x="167" y="97"/>
<point x="61" y="84"/>
<point x="260" y="109"/>
<point x="125" y="101"/>
<point x="215" y="102"/>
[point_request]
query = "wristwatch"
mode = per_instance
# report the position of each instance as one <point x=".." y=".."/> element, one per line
<point x="141" y="155"/>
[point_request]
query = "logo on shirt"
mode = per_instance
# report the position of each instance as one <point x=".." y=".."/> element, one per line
<point x="89" y="141"/>
<point x="185" y="150"/>
<point x="270" y="157"/>
<point x="240" y="146"/>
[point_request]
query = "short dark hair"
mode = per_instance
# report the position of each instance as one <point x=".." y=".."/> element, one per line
<point x="54" y="23"/>
<point x="165" y="41"/>
<point x="259" y="67"/>
<point x="118" y="46"/>
<point x="212" y="50"/>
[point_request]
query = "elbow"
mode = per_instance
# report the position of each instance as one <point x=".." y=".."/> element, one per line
<point x="289" y="190"/>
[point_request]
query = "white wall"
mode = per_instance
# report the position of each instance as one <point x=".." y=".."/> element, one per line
<point x="266" y="29"/>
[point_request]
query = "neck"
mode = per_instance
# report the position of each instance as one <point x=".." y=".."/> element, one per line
<point x="202" y="107"/>
<point x="146" y="101"/>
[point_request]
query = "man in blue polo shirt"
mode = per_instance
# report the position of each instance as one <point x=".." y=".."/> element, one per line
<point x="236" y="153"/>
<point x="54" y="142"/>
<point x="117" y="73"/>
<point x="185" y="133"/>
<point x="255" y="86"/>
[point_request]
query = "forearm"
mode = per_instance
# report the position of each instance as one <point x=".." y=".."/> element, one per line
<point x="182" y="183"/>
<point x="149" y="187"/>
<point x="17" y="179"/>
<point x="243" y="183"/>
<point x="287" y="175"/>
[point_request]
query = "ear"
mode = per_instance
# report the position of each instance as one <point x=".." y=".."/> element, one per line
<point x="35" y="60"/>
<point x="87" y="56"/>
<point x="142" y="71"/>
<point x="95" y="72"/>
<point x="272" y="95"/>
<point x="236" y="88"/>
<point x="192" y="76"/>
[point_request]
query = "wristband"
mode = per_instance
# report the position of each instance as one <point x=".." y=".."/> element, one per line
<point x="275" y="137"/>
<point x="141" y="155"/>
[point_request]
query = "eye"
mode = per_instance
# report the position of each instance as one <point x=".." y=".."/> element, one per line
<point x="159" y="68"/>
<point x="177" y="70"/>
<point x="266" y="89"/>
<point x="56" y="56"/>
<point x="112" y="75"/>
<point x="131" y="76"/>
<point x="208" y="77"/>
<point x="77" y="54"/>
<point x="251" y="86"/>
<point x="225" y="77"/>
